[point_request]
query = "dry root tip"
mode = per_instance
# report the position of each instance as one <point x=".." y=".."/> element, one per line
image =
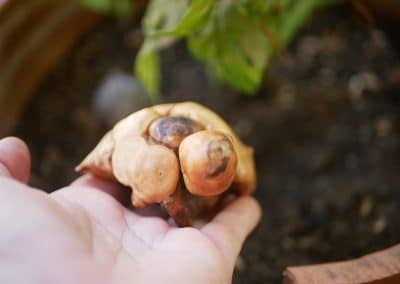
<point x="208" y="161"/>
<point x="98" y="161"/>
<point x="170" y="131"/>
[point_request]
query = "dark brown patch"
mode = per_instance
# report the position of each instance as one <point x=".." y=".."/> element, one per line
<point x="219" y="153"/>
<point x="170" y="131"/>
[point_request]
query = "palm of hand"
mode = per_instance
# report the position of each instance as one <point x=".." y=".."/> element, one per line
<point x="83" y="234"/>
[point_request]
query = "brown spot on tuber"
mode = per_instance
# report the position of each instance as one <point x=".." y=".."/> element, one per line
<point x="219" y="153"/>
<point x="170" y="131"/>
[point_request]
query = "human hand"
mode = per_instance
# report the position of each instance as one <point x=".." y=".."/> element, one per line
<point x="83" y="234"/>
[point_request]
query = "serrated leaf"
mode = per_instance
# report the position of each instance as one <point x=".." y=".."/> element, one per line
<point x="235" y="38"/>
<point x="236" y="51"/>
<point x="245" y="35"/>
<point x="230" y="64"/>
<point x="193" y="19"/>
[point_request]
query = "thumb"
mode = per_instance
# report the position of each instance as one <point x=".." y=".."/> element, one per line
<point x="15" y="160"/>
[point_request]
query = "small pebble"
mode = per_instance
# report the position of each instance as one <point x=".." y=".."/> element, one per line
<point x="360" y="83"/>
<point x="286" y="97"/>
<point x="379" y="225"/>
<point x="118" y="95"/>
<point x="308" y="49"/>
<point x="333" y="44"/>
<point x="367" y="204"/>
<point x="383" y="127"/>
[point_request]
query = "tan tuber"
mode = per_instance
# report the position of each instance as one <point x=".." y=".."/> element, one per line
<point x="182" y="156"/>
<point x="208" y="162"/>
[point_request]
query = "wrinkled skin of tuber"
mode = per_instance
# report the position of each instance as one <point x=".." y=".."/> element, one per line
<point x="182" y="156"/>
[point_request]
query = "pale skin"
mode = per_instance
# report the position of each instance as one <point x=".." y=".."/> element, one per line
<point x="84" y="234"/>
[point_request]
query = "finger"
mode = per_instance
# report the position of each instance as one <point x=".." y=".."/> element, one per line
<point x="229" y="229"/>
<point x="117" y="191"/>
<point x="15" y="160"/>
<point x="99" y="206"/>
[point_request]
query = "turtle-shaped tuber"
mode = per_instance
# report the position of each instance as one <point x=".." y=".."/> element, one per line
<point x="182" y="156"/>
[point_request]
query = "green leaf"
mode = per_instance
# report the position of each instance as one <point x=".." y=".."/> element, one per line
<point x="147" y="69"/>
<point x="193" y="19"/>
<point x="102" y="6"/>
<point x="242" y="36"/>
<point x="160" y="15"/>
<point x="235" y="38"/>
<point x="236" y="51"/>
<point x="121" y="8"/>
<point x="163" y="15"/>
<point x="235" y="70"/>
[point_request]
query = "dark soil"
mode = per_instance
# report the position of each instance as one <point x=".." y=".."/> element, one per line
<point x="325" y="128"/>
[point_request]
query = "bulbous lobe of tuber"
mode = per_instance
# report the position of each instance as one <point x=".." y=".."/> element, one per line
<point x="208" y="162"/>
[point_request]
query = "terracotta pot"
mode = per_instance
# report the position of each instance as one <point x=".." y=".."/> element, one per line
<point x="34" y="36"/>
<point x="382" y="267"/>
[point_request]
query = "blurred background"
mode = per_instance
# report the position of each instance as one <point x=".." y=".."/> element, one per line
<point x="320" y="105"/>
